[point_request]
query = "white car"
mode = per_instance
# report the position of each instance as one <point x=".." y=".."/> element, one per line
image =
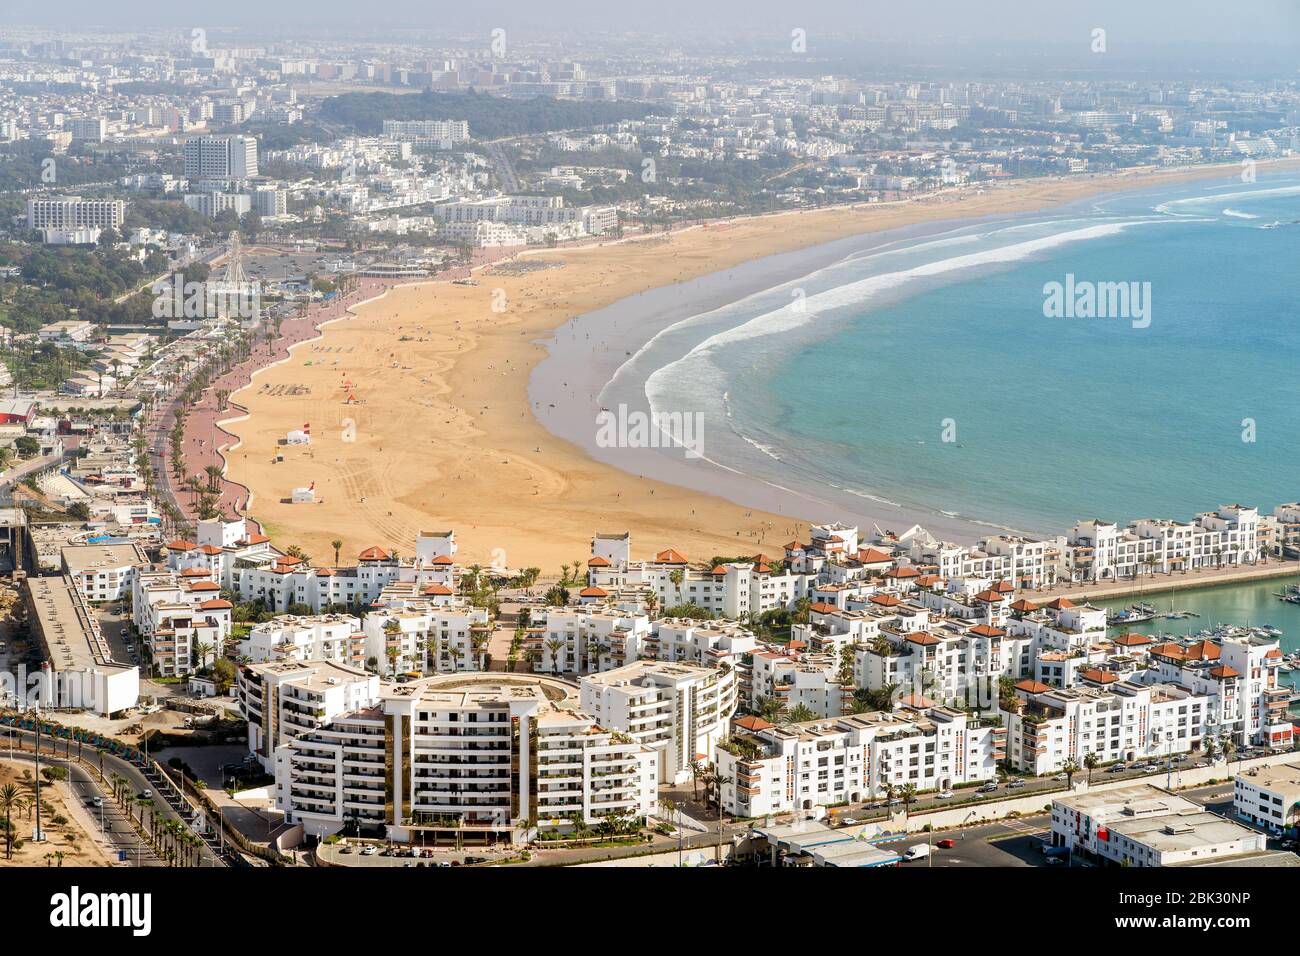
<point x="944" y="794"/>
<point x="370" y="850"/>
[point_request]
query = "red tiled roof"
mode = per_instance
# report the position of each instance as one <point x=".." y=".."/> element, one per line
<point x="215" y="604"/>
<point x="374" y="553"/>
<point x="1132" y="640"/>
<point x="597" y="562"/>
<point x="1098" y="676"/>
<point x="1030" y="686"/>
<point x="752" y="722"/>
<point x="180" y="544"/>
<point x="670" y="557"/>
<point x="593" y="592"/>
<point x="985" y="630"/>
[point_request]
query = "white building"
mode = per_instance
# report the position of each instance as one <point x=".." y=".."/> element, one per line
<point x="1144" y="826"/>
<point x="1268" y="797"/>
<point x="678" y="710"/>
<point x="817" y="764"/>
<point x="220" y="157"/>
<point x="285" y="699"/>
<point x="464" y="759"/>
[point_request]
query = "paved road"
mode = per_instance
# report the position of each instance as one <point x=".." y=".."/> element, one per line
<point x="165" y="803"/>
<point x="114" y="832"/>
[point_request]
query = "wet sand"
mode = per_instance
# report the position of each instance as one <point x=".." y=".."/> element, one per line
<point x="422" y="419"/>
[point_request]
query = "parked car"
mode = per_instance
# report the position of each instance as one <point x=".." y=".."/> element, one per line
<point x="946" y="844"/>
<point x="987" y="788"/>
<point x="1062" y="777"/>
<point x="944" y="794"/>
<point x="1015" y="784"/>
<point x="370" y="850"/>
<point x="345" y="848"/>
<point x="96" y="803"/>
<point x="1117" y="768"/>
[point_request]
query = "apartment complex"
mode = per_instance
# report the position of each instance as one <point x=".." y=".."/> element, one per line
<point x="678" y="710"/>
<point x="220" y="157"/>
<point x="778" y="769"/>
<point x="73" y="212"/>
<point x="481" y="759"/>
<point x="285" y="699"/>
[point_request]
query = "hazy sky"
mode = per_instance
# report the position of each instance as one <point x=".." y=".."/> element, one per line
<point x="1131" y="23"/>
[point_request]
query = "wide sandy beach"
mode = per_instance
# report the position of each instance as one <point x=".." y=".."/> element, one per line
<point x="421" y="419"/>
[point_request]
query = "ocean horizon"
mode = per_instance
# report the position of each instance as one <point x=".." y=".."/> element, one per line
<point x="924" y="376"/>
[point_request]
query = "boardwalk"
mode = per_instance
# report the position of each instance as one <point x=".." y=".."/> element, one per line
<point x="1154" y="583"/>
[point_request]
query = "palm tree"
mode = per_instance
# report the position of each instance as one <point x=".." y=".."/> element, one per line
<point x="677" y="577"/>
<point x="1228" y="747"/>
<point x="8" y="800"/>
<point x="202" y="650"/>
<point x="1090" y="761"/>
<point x="554" y="645"/>
<point x="698" y="772"/>
<point x="798" y="714"/>
<point x="908" y="792"/>
<point x="337" y="545"/>
<point x="214" y="477"/>
<point x="1070" y="768"/>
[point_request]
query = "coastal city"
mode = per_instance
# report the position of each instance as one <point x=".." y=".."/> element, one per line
<point x="376" y="494"/>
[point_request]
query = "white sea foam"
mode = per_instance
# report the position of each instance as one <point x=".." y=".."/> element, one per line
<point x="1169" y="207"/>
<point x="1238" y="214"/>
<point x="787" y="319"/>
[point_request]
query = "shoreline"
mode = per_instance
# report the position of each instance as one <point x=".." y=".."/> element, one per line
<point x="446" y="432"/>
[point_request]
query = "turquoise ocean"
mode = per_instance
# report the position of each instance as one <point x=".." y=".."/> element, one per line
<point x="924" y="373"/>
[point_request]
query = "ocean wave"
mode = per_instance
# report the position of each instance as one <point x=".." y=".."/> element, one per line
<point x="1243" y="194"/>
<point x="787" y="318"/>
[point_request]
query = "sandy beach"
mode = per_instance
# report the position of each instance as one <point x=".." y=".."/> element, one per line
<point x="421" y="418"/>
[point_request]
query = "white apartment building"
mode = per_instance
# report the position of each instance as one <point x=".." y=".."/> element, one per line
<point x="474" y="760"/>
<point x="820" y="763"/>
<point x="678" y="710"/>
<point x="1100" y="551"/>
<point x="794" y="679"/>
<point x="73" y="212"/>
<point x="589" y="639"/>
<point x="182" y="619"/>
<point x="1144" y="826"/>
<point x="284" y="699"/>
<point x="441" y="132"/>
<point x="1268" y="797"/>
<point x="1118" y="720"/>
<point x="428" y="633"/>
<point x="322" y="637"/>
<point x="220" y="157"/>
<point x="711" y="644"/>
<point x="103" y="572"/>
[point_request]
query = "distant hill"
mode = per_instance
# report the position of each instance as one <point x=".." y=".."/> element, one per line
<point x="490" y="117"/>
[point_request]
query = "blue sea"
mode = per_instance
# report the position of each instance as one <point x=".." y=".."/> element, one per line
<point x="924" y="373"/>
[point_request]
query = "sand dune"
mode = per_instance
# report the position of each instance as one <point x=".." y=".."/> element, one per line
<point x="441" y="433"/>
